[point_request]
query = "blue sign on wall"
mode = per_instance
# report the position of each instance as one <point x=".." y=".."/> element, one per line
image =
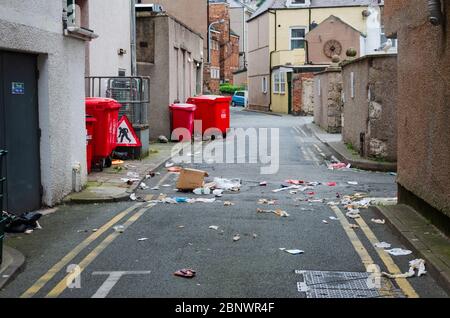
<point x="18" y="88"/>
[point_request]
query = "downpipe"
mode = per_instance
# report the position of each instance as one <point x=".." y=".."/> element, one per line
<point x="435" y="12"/>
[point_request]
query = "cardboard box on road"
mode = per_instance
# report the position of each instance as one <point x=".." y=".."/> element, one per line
<point x="191" y="179"/>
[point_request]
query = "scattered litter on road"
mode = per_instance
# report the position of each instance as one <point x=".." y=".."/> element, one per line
<point x="133" y="197"/>
<point x="214" y="227"/>
<point x="352" y="183"/>
<point x="133" y="175"/>
<point x="325" y="221"/>
<point x="418" y="264"/>
<point x="94" y="230"/>
<point x="228" y="203"/>
<point x="292" y="252"/>
<point x="266" y="201"/>
<point x="155" y="188"/>
<point x="353" y="214"/>
<point x="236" y="238"/>
<point x="277" y="212"/>
<point x="129" y="180"/>
<point x="143" y="186"/>
<point x="255" y="235"/>
<point x="119" y="228"/>
<point x="285" y="189"/>
<point x="174" y="169"/>
<point x="163" y="139"/>
<point x="166" y="185"/>
<point x="29" y="231"/>
<point x="333" y="218"/>
<point x="378" y="221"/>
<point x="142" y="239"/>
<point x="191" y="179"/>
<point x="331" y="184"/>
<point x="186" y="273"/>
<point x="181" y="226"/>
<point x="263" y="184"/>
<point x="205" y="200"/>
<point x="399" y="252"/>
<point x="382" y="245"/>
<point x="295" y="182"/>
<point x="218" y="193"/>
<point x="339" y="166"/>
<point x="354" y="226"/>
<point x="202" y="191"/>
<point x="228" y="184"/>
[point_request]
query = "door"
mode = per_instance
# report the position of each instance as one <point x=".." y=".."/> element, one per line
<point x="19" y="131"/>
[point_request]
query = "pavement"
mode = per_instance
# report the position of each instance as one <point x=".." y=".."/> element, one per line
<point x="341" y="151"/>
<point x="13" y="261"/>
<point x="108" y="185"/>
<point x="81" y="253"/>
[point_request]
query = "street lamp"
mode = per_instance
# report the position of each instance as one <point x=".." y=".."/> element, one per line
<point x="209" y="37"/>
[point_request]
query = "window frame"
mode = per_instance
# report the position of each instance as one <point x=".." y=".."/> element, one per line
<point x="291" y="38"/>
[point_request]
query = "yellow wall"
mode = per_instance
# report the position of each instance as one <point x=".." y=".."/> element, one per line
<point x="280" y="101"/>
<point x="300" y="17"/>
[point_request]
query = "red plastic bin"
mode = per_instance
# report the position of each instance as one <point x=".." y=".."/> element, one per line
<point x="106" y="112"/>
<point x="183" y="117"/>
<point x="90" y="126"/>
<point x="213" y="111"/>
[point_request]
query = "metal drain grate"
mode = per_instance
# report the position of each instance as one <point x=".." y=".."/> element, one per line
<point x="323" y="284"/>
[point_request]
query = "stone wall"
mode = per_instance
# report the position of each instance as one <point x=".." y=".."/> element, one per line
<point x="327" y="100"/>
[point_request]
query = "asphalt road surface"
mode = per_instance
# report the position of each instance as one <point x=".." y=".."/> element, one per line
<point x="160" y="238"/>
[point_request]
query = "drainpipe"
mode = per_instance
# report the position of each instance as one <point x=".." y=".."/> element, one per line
<point x="270" y="62"/>
<point x="435" y="13"/>
<point x="133" y="38"/>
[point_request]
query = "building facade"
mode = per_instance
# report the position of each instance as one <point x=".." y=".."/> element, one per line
<point x="423" y="104"/>
<point x="42" y="68"/>
<point x="171" y="54"/>
<point x="278" y="47"/>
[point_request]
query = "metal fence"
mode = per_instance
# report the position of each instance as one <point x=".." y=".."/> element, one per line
<point x="133" y="93"/>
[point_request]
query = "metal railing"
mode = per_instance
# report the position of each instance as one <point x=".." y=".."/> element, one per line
<point x="132" y="92"/>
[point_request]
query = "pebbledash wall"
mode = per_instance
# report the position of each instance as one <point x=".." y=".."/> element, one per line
<point x="423" y="106"/>
<point x="61" y="63"/>
<point x="370" y="105"/>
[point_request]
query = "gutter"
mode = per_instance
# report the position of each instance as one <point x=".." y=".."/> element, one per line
<point x="435" y="12"/>
<point x="270" y="61"/>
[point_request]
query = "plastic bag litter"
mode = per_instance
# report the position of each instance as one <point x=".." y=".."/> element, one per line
<point x="227" y="184"/>
<point x="378" y="221"/>
<point x="218" y="192"/>
<point x="228" y="203"/>
<point x="382" y="245"/>
<point x="143" y="239"/>
<point x="352" y="183"/>
<point x="277" y="212"/>
<point x="133" y="197"/>
<point x="292" y="252"/>
<point x="202" y="191"/>
<point x="205" y="200"/>
<point x="119" y="228"/>
<point x="214" y="227"/>
<point x="236" y="238"/>
<point x="143" y="186"/>
<point x="133" y="175"/>
<point x="399" y="252"/>
<point x="418" y="264"/>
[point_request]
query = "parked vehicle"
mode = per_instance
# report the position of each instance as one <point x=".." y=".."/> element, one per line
<point x="240" y="98"/>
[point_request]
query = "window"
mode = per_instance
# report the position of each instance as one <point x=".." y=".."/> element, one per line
<point x="264" y="85"/>
<point x="215" y="73"/>
<point x="240" y="94"/>
<point x="279" y="83"/>
<point x="298" y="3"/>
<point x="297" y="38"/>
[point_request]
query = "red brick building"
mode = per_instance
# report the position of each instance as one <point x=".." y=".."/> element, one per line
<point x="224" y="47"/>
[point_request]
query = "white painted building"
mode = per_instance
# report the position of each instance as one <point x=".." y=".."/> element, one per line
<point x="42" y="119"/>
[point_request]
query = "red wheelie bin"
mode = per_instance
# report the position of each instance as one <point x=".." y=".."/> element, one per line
<point x="213" y="111"/>
<point x="106" y="113"/>
<point x="182" y="116"/>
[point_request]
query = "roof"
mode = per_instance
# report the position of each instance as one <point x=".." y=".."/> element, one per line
<point x="281" y="4"/>
<point x="337" y="19"/>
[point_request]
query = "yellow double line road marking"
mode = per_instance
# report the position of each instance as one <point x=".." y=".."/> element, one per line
<point x="62" y="285"/>
<point x="42" y="281"/>
<point x="367" y="260"/>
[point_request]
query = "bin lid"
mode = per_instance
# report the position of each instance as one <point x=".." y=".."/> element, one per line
<point x="187" y="107"/>
<point x="94" y="101"/>
<point x="217" y="98"/>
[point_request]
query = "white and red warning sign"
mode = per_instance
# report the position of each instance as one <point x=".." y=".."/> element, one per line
<point x="126" y="136"/>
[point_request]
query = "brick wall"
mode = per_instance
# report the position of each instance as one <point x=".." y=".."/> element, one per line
<point x="229" y="43"/>
<point x="301" y="95"/>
